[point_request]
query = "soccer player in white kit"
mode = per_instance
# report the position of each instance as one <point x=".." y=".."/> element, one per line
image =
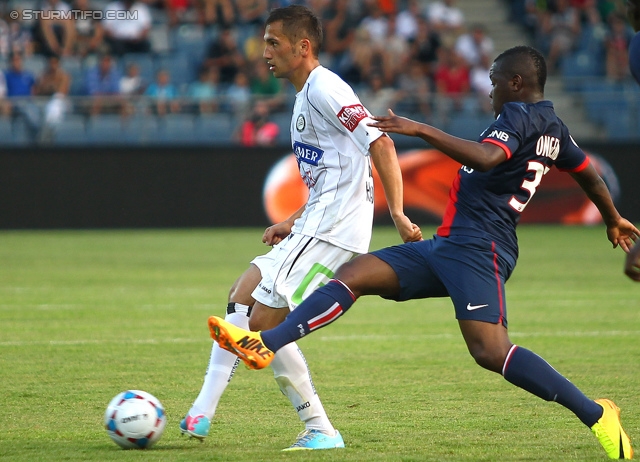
<point x="334" y="148"/>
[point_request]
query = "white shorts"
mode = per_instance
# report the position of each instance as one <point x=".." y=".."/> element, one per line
<point x="296" y="267"/>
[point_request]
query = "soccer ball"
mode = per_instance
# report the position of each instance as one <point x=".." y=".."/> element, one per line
<point x="135" y="419"/>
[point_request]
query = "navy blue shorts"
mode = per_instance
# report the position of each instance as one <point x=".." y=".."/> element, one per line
<point x="470" y="270"/>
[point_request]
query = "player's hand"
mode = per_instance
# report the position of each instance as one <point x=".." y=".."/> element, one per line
<point x="275" y="234"/>
<point x="395" y="124"/>
<point x="623" y="234"/>
<point x="409" y="232"/>
<point x="632" y="263"/>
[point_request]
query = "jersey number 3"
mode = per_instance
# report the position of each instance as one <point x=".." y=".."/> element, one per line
<point x="530" y="185"/>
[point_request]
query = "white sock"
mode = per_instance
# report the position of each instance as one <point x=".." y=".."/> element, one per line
<point x="222" y="365"/>
<point x="294" y="379"/>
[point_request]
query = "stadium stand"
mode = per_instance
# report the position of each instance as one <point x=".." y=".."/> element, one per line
<point x="593" y="101"/>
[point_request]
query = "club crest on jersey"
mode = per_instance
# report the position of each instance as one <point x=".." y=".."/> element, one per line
<point x="300" y="123"/>
<point x="307" y="153"/>
<point x="350" y="116"/>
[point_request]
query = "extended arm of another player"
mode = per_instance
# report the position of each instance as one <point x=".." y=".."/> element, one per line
<point x="620" y="231"/>
<point x="479" y="156"/>
<point x="383" y="155"/>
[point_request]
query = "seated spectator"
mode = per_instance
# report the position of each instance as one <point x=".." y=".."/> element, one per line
<point x="89" y="32"/>
<point x="132" y="85"/>
<point x="446" y="19"/>
<point x="376" y="23"/>
<point x="424" y="48"/>
<point x="481" y="83"/>
<point x="15" y="37"/>
<point x="359" y="62"/>
<point x="5" y="106"/>
<point x="407" y="20"/>
<point x="560" y="30"/>
<point x="616" y="45"/>
<point x="473" y="45"/>
<point x="238" y="95"/>
<point x="20" y="86"/>
<point x="204" y="91"/>
<point x="53" y="81"/>
<point x="225" y="54"/>
<point x="258" y="130"/>
<point x="452" y="81"/>
<point x="56" y="35"/>
<point x="266" y="87"/>
<point x="163" y="94"/>
<point x="129" y="35"/>
<point x="414" y="90"/>
<point x="394" y="54"/>
<point x="216" y="12"/>
<point x="176" y="10"/>
<point x="103" y="85"/>
<point x="376" y="96"/>
<point x="340" y="24"/>
<point x="252" y="12"/>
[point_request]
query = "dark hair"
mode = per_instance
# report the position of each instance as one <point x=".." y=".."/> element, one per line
<point x="299" y="22"/>
<point x="516" y="58"/>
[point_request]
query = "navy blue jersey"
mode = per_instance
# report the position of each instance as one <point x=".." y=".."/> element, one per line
<point x="489" y="204"/>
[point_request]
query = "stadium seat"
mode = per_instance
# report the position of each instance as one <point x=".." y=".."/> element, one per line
<point x="13" y="132"/>
<point x="71" y="131"/>
<point x="179" y="67"/>
<point x="35" y="64"/>
<point x="283" y="120"/>
<point x="191" y="41"/>
<point x="178" y="129"/>
<point x="578" y="68"/>
<point x="145" y="63"/>
<point x="468" y="126"/>
<point x="143" y="130"/>
<point x="215" y="129"/>
<point x="106" y="129"/>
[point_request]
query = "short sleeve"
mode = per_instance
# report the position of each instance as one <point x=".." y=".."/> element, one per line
<point x="504" y="131"/>
<point x="571" y="158"/>
<point x="342" y="108"/>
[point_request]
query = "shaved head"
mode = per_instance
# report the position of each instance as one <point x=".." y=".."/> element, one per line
<point x="526" y="62"/>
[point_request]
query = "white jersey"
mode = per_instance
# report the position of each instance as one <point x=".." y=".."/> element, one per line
<point x="331" y="139"/>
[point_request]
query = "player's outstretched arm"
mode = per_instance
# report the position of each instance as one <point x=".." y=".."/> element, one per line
<point x="479" y="156"/>
<point x="620" y="231"/>
<point x="632" y="263"/>
<point x="383" y="155"/>
<point x="276" y="233"/>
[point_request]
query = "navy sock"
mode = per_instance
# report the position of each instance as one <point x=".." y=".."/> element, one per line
<point x="527" y="370"/>
<point x="322" y="307"/>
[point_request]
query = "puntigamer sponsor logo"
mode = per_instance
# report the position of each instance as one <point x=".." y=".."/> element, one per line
<point x="350" y="116"/>
<point x="307" y="153"/>
<point x="78" y="15"/>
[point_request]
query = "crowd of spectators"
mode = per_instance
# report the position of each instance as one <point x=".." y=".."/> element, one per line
<point x="562" y="27"/>
<point x="416" y="56"/>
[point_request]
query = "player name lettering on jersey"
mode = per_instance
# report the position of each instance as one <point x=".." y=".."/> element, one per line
<point x="350" y="116"/>
<point x="502" y="136"/>
<point x="548" y="146"/>
<point x="307" y="153"/>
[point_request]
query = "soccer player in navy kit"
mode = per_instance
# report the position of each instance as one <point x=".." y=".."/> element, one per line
<point x="475" y="249"/>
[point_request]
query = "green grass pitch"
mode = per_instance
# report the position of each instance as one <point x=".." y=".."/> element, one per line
<point x="87" y="314"/>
